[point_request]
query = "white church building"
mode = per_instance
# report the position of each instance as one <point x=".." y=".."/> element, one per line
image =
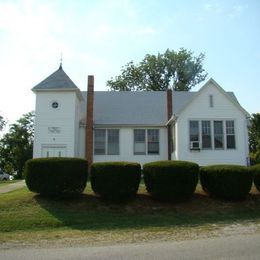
<point x="207" y="127"/>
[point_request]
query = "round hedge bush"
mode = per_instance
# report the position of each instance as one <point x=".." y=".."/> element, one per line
<point x="256" y="175"/>
<point x="171" y="180"/>
<point x="54" y="177"/>
<point x="231" y="182"/>
<point x="115" y="180"/>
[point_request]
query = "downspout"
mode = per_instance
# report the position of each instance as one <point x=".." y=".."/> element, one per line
<point x="169" y="115"/>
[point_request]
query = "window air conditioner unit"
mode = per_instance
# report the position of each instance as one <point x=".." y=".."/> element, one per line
<point x="195" y="145"/>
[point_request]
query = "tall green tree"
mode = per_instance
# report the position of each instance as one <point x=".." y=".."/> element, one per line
<point x="16" y="146"/>
<point x="254" y="138"/>
<point x="178" y="70"/>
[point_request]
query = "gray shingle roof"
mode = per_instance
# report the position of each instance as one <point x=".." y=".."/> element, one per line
<point x="180" y="99"/>
<point x="57" y="80"/>
<point x="129" y="108"/>
<point x="136" y="108"/>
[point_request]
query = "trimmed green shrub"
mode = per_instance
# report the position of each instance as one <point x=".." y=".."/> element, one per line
<point x="256" y="175"/>
<point x="231" y="182"/>
<point x="115" y="180"/>
<point x="55" y="177"/>
<point x="171" y="180"/>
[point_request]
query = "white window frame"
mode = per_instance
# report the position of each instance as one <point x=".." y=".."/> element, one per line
<point x="104" y="130"/>
<point x="146" y="141"/>
<point x="157" y="130"/>
<point x="223" y="134"/>
<point x="201" y="133"/>
<point x="106" y="141"/>
<point x="224" y="120"/>
<point x="107" y="144"/>
<point x="143" y="142"/>
<point x="234" y="134"/>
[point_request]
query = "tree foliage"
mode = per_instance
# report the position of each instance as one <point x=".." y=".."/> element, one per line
<point x="2" y="123"/>
<point x="254" y="138"/>
<point x="16" y="146"/>
<point x="177" y="70"/>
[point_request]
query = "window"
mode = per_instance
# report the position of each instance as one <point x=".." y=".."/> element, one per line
<point x="106" y="141"/>
<point x="146" y="141"/>
<point x="100" y="141"/>
<point x="139" y="141"/>
<point x="211" y="101"/>
<point x="113" y="141"/>
<point x="55" y="104"/>
<point x="230" y="134"/>
<point x="218" y="135"/>
<point x="153" y="141"/>
<point x="206" y="134"/>
<point x="194" y="131"/>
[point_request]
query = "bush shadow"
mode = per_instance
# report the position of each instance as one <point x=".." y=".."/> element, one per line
<point x="89" y="212"/>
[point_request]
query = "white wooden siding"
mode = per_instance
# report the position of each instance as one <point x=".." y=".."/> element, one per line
<point x="126" y="147"/>
<point x="62" y="117"/>
<point x="200" y="109"/>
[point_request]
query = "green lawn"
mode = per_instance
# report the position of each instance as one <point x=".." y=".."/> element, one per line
<point x="24" y="215"/>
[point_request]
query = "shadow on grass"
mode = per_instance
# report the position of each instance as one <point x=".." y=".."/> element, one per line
<point x="88" y="212"/>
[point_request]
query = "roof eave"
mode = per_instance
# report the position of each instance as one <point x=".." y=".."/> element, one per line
<point x="128" y="125"/>
<point x="78" y="92"/>
<point x="53" y="89"/>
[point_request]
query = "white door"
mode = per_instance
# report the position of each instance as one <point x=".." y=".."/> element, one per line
<point x="54" y="151"/>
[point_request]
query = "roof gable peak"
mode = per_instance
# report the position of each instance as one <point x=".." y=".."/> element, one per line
<point x="57" y="80"/>
<point x="216" y="85"/>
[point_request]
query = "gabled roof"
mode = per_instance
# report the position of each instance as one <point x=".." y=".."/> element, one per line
<point x="129" y="108"/>
<point x="180" y="99"/>
<point x="57" y="80"/>
<point x="147" y="108"/>
<point x="229" y="95"/>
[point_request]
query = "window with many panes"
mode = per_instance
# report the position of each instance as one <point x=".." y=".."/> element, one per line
<point x="153" y="141"/>
<point x="230" y="134"/>
<point x="194" y="131"/>
<point x="206" y="134"/>
<point x="100" y="141"/>
<point x="113" y="141"/>
<point x="139" y="141"/>
<point x="106" y="141"/>
<point x="217" y="134"/>
<point x="146" y="141"/>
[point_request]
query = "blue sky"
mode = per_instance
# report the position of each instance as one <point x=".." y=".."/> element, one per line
<point x="98" y="37"/>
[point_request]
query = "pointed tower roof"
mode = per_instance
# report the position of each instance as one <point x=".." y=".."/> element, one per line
<point x="57" y="80"/>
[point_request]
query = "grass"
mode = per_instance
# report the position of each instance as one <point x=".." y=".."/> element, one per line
<point x="24" y="214"/>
